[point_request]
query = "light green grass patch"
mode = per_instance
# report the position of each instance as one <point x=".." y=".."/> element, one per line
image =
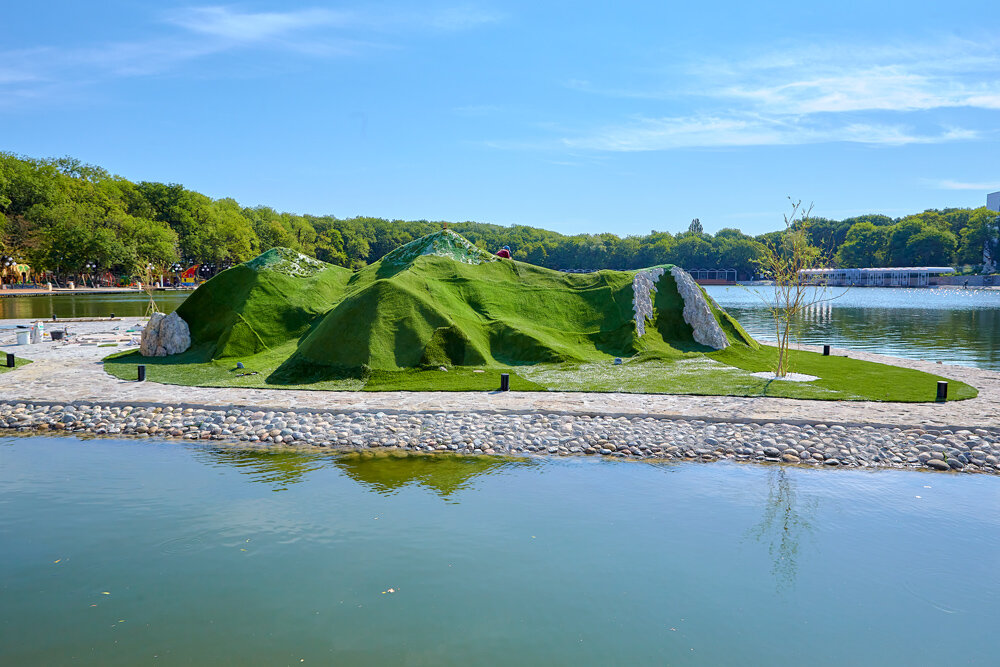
<point x="723" y="373"/>
<point x="18" y="362"/>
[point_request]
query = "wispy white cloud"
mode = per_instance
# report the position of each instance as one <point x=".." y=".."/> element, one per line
<point x="832" y="93"/>
<point x="462" y="18"/>
<point x="963" y="185"/>
<point x="195" y="33"/>
<point x="230" y="24"/>
<point x="652" y="134"/>
<point x="843" y="78"/>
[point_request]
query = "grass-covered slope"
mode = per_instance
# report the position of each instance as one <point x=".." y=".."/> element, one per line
<point x="260" y="304"/>
<point x="441" y="312"/>
<point x="440" y="302"/>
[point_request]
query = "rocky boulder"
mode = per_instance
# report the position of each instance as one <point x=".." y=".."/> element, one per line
<point x="165" y="334"/>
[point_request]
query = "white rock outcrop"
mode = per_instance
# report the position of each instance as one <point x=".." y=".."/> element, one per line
<point x="697" y="312"/>
<point x="165" y="334"/>
<point x="643" y="286"/>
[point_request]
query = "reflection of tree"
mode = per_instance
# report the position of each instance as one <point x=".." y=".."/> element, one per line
<point x="444" y="474"/>
<point x="276" y="468"/>
<point x="783" y="526"/>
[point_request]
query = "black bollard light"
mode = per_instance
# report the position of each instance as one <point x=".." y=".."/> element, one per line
<point x="10" y="360"/>
<point x="504" y="382"/>
<point x="826" y="350"/>
<point x="142" y="372"/>
<point x="942" y="392"/>
<point x="112" y="316"/>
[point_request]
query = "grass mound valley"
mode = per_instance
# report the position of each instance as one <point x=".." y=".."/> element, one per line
<point x="441" y="314"/>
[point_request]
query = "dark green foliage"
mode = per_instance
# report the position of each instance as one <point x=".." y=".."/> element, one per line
<point x="61" y="214"/>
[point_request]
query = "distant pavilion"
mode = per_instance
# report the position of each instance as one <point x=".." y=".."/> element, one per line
<point x="905" y="276"/>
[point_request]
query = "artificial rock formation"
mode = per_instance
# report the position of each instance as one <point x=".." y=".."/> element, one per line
<point x="165" y="334"/>
<point x="643" y="286"/>
<point x="697" y="313"/>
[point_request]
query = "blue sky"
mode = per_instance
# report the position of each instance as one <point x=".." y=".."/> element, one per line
<point x="576" y="117"/>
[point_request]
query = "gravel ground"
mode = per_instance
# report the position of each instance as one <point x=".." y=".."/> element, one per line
<point x="559" y="435"/>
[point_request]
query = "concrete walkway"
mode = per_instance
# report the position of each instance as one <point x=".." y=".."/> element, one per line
<point x="70" y="372"/>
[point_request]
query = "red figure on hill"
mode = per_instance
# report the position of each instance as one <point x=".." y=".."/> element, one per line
<point x="504" y="252"/>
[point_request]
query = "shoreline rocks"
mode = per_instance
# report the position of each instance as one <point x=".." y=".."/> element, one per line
<point x="543" y="434"/>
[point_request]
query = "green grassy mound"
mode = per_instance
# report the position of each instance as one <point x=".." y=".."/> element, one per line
<point x="441" y="314"/>
<point x="261" y="304"/>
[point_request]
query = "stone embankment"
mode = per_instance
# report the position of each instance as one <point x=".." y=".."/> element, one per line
<point x="863" y="446"/>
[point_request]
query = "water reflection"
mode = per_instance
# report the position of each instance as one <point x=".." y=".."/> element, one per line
<point x="276" y="469"/>
<point x="381" y="472"/>
<point x="385" y="473"/>
<point x="785" y="522"/>
<point x="129" y="304"/>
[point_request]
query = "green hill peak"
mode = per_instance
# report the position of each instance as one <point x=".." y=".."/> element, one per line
<point x="287" y="262"/>
<point x="444" y="243"/>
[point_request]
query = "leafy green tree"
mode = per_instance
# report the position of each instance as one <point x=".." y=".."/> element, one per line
<point x="981" y="230"/>
<point x="864" y="246"/>
<point x="899" y="236"/>
<point x="691" y="252"/>
<point x="742" y="254"/>
<point x="931" y="246"/>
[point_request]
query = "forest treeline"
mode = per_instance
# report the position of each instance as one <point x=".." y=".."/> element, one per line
<point x="59" y="215"/>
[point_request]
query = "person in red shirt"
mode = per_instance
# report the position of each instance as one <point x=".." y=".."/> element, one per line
<point x="504" y="252"/>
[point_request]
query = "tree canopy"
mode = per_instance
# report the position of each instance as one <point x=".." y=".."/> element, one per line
<point x="61" y="215"/>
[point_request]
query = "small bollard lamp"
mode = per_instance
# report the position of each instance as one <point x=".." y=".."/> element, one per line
<point x="505" y="382"/>
<point x="826" y="350"/>
<point x="142" y="372"/>
<point x="942" y="390"/>
<point x="10" y="360"/>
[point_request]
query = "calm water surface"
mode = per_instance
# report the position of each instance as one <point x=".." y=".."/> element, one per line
<point x="87" y="305"/>
<point x="953" y="326"/>
<point x="136" y="552"/>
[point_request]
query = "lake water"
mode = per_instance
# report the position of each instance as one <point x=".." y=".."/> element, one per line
<point x="140" y="552"/>
<point x="953" y="326"/>
<point x="123" y="304"/>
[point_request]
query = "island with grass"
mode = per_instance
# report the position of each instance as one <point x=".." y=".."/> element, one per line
<point x="440" y="314"/>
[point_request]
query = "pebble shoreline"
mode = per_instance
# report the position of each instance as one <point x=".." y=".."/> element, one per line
<point x="474" y="433"/>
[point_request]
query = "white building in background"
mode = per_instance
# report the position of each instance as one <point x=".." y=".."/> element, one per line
<point x="906" y="276"/>
<point x="993" y="201"/>
<point x="991" y="246"/>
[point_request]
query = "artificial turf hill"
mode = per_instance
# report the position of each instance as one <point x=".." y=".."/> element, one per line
<point x="439" y="302"/>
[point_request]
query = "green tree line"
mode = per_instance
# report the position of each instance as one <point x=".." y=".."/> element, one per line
<point x="61" y="215"/>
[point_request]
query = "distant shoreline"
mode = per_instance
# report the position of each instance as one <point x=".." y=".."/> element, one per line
<point x="41" y="291"/>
